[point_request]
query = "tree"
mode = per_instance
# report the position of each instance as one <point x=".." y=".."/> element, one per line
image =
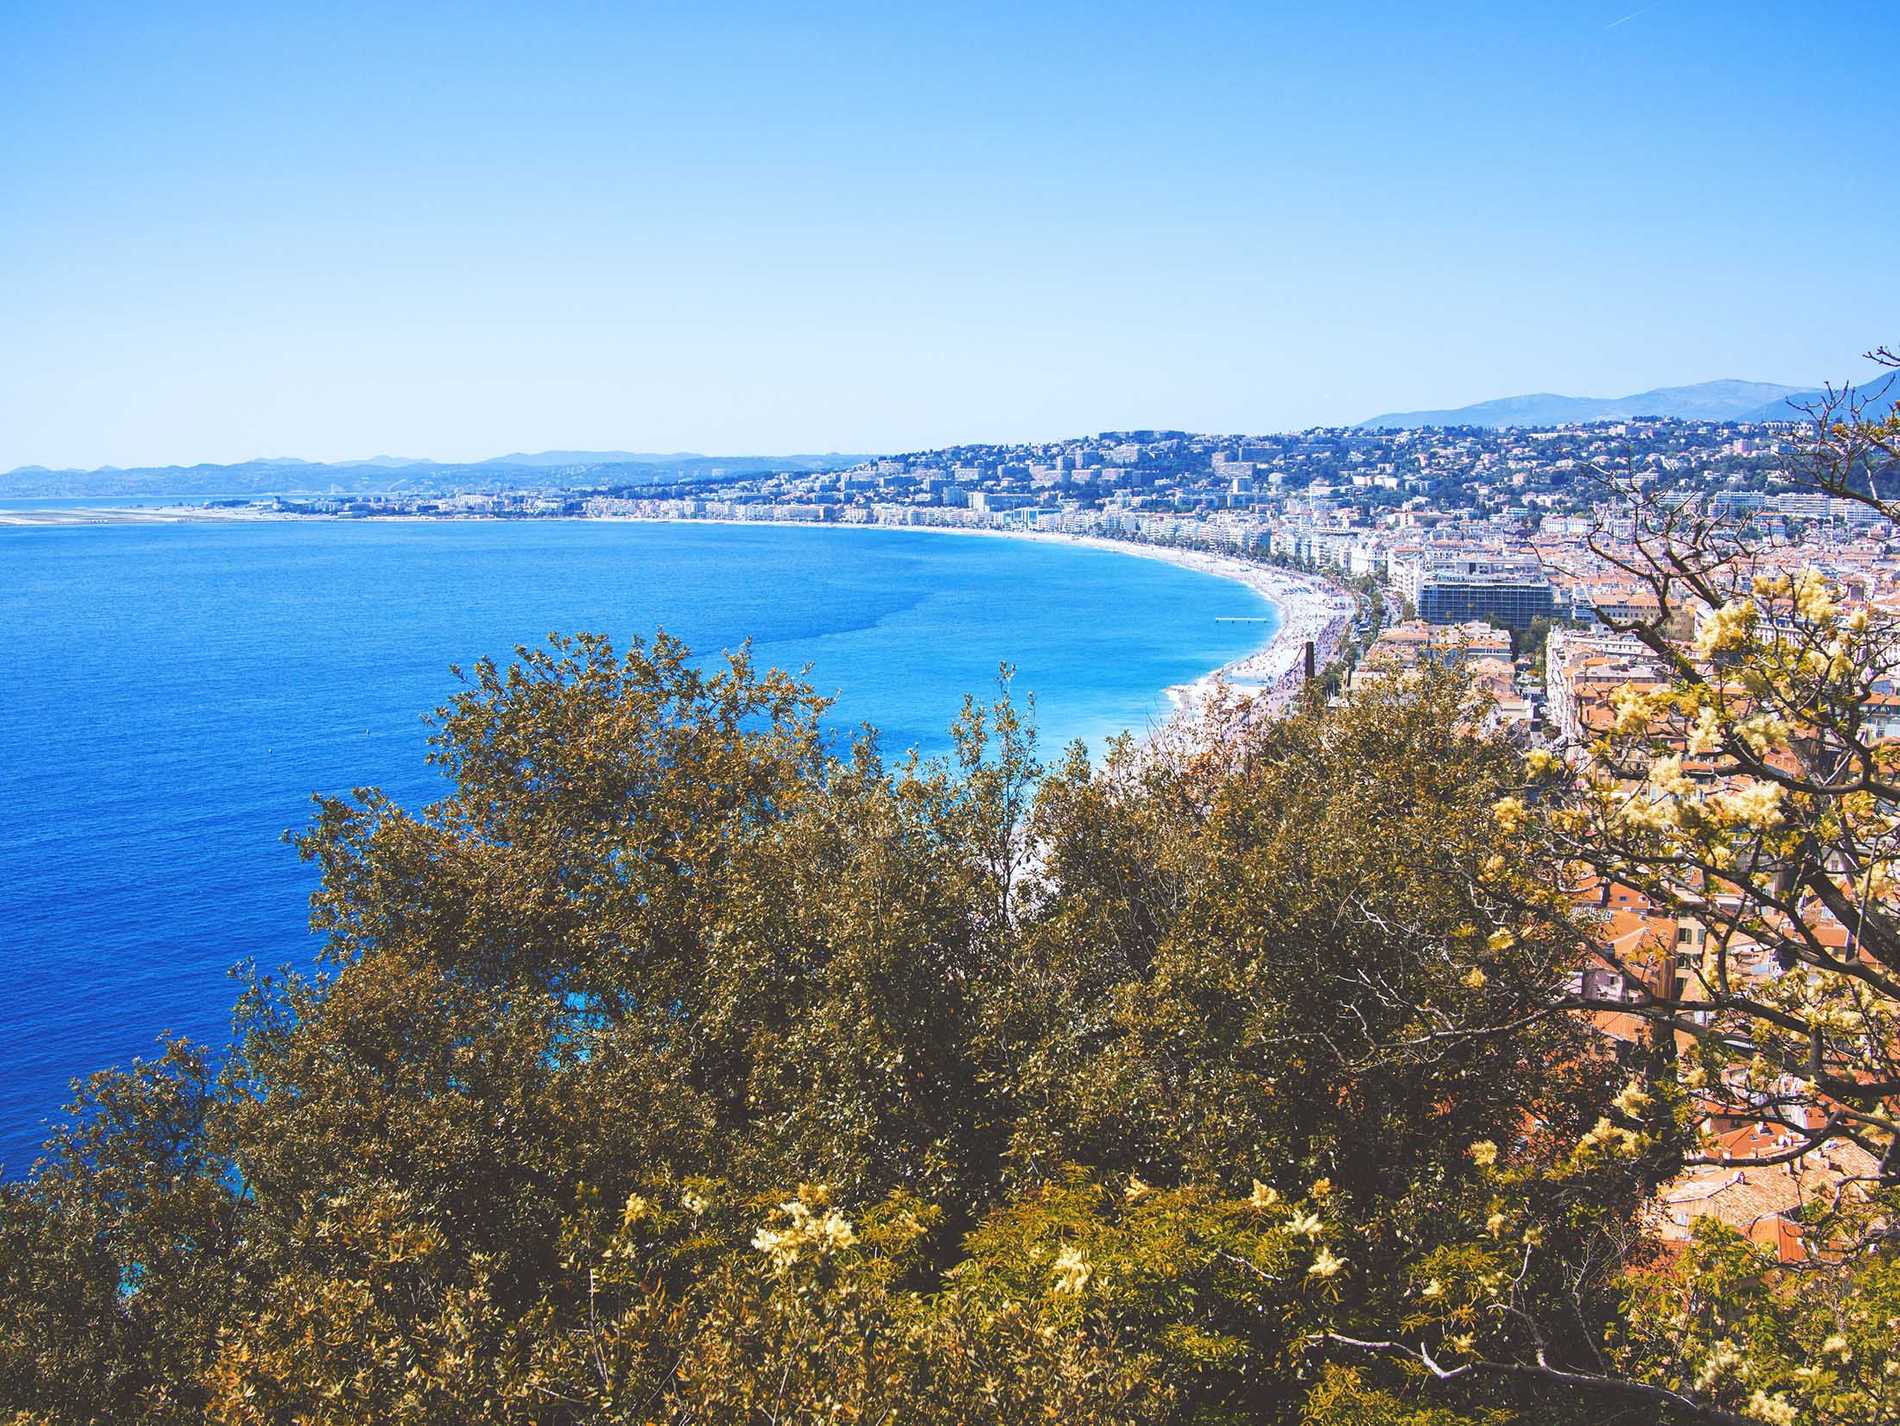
<point x="1753" y="795"/>
<point x="1746" y="796"/>
<point x="675" y="1064"/>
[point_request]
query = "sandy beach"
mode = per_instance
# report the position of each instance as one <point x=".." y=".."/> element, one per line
<point x="1311" y="608"/>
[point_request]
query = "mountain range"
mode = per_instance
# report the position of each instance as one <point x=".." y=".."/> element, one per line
<point x="1707" y="401"/>
<point x="400" y="475"/>
<point x="1727" y="400"/>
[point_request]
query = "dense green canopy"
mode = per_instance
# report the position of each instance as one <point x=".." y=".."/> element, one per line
<point x="674" y="1068"/>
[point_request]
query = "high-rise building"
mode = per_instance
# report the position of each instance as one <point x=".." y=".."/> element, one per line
<point x="1503" y="596"/>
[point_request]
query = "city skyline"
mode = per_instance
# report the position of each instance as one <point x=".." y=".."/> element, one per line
<point x="454" y="236"/>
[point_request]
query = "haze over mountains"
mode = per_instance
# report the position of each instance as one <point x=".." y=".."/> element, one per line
<point x="400" y="475"/>
<point x="1706" y="401"/>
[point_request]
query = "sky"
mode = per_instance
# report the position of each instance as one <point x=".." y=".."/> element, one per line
<point x="334" y="231"/>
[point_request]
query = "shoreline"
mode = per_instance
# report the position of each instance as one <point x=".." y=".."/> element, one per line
<point x="1310" y="609"/>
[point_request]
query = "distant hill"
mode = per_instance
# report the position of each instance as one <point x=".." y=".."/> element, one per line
<point x="1706" y="401"/>
<point x="1882" y="394"/>
<point x="395" y="475"/>
<point x="543" y="458"/>
<point x="396" y="461"/>
<point x="678" y="460"/>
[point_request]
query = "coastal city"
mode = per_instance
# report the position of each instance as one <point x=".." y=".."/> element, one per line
<point x="1367" y="540"/>
<point x="1372" y="543"/>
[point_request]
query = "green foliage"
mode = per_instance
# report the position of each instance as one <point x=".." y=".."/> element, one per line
<point x="1760" y="1338"/>
<point x="673" y="1068"/>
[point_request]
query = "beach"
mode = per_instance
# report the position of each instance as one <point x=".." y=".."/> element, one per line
<point x="1312" y="610"/>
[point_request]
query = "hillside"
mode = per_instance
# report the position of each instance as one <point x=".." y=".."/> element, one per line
<point x="1882" y="393"/>
<point x="1727" y="400"/>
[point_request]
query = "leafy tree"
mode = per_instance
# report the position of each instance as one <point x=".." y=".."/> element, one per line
<point x="1108" y="1087"/>
<point x="1753" y="795"/>
<point x="1748" y="797"/>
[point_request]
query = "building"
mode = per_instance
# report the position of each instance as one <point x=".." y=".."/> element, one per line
<point x="1582" y="671"/>
<point x="989" y="502"/>
<point x="1512" y="596"/>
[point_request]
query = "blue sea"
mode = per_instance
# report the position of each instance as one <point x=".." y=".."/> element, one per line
<point x="176" y="693"/>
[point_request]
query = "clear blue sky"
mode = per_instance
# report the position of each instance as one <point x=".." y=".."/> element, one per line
<point x="332" y="230"/>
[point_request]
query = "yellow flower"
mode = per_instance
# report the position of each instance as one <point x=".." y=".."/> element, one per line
<point x="1464" y="1344"/>
<point x="1508" y="813"/>
<point x="1775" y="1410"/>
<point x="1763" y="733"/>
<point x="1474" y="979"/>
<point x="1263" y="1196"/>
<point x="693" y="1203"/>
<point x="1325" y="1264"/>
<point x="1484" y="1153"/>
<point x="1071" y="1271"/>
<point x="1305" y="1225"/>
<point x="1666" y="776"/>
<point x="1495" y="1224"/>
<point x="1136" y="1189"/>
<point x="835" y="1232"/>
<point x="1754" y="804"/>
<point x="636" y="1209"/>
<point x="1633" y="1100"/>
<point x="1434" y="1288"/>
<point x="1716" y="1365"/>
<point x="1812" y="598"/>
<point x="823" y="1233"/>
<point x="1610" y="1138"/>
<point x="1721" y="630"/>
<point x="1633" y="709"/>
<point x="1657" y="814"/>
<point x="1706" y="736"/>
<point x="1321" y="1187"/>
<point x="1500" y="940"/>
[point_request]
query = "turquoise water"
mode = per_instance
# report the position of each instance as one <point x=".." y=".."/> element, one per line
<point x="177" y="692"/>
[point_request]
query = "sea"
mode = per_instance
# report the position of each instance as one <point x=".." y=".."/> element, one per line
<point x="175" y="694"/>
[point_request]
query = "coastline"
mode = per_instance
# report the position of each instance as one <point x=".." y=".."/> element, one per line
<point x="1310" y="609"/>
